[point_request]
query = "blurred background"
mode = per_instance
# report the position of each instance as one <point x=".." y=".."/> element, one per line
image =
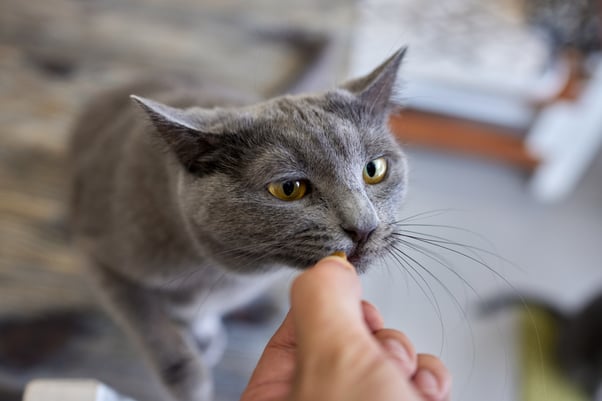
<point x="503" y="128"/>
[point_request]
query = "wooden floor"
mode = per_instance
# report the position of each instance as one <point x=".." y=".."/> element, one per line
<point x="54" y="54"/>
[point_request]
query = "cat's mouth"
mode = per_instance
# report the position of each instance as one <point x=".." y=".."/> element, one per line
<point x="357" y="254"/>
<point x="361" y="254"/>
<point x="354" y="256"/>
<point x="360" y="258"/>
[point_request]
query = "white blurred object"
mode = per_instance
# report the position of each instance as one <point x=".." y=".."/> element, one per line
<point x="70" y="390"/>
<point x="567" y="137"/>
<point x="469" y="58"/>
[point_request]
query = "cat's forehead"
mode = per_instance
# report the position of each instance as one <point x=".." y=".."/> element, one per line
<point x="332" y="110"/>
<point x="332" y="118"/>
<point x="322" y="134"/>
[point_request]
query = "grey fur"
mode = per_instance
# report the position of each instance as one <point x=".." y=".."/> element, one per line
<point x="176" y="220"/>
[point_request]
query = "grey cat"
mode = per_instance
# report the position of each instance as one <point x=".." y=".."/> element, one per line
<point x="189" y="210"/>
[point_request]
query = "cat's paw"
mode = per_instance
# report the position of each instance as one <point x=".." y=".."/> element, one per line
<point x="211" y="337"/>
<point x="188" y="379"/>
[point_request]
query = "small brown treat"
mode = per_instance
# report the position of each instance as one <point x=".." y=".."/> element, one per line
<point x="340" y="254"/>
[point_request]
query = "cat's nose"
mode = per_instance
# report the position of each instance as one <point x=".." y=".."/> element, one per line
<point x="359" y="235"/>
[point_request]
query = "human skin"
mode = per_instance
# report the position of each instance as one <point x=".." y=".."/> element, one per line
<point x="332" y="346"/>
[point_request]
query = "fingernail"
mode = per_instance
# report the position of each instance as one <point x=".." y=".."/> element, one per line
<point x="426" y="382"/>
<point x="398" y="351"/>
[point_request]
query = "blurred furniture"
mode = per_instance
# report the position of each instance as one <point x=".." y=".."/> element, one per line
<point x="541" y="377"/>
<point x="478" y="80"/>
<point x="70" y="390"/>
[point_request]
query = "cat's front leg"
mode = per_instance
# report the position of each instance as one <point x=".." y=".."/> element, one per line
<point x="169" y="346"/>
<point x="210" y="334"/>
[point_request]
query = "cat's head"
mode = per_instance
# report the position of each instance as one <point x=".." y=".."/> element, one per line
<point x="291" y="180"/>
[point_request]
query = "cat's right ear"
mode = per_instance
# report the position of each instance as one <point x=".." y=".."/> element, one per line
<point x="183" y="131"/>
<point x="378" y="89"/>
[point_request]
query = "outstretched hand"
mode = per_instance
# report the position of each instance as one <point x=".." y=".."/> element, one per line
<point x="332" y="346"/>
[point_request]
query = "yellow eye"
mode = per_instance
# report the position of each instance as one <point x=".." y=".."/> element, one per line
<point x="375" y="171"/>
<point x="288" y="190"/>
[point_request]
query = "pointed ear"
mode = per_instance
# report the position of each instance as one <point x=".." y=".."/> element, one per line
<point x="183" y="131"/>
<point x="165" y="117"/>
<point x="378" y="88"/>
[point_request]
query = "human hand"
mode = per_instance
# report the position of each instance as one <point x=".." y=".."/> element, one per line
<point x="332" y="347"/>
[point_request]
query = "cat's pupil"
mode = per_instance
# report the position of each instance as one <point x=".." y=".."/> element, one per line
<point x="288" y="187"/>
<point x="371" y="169"/>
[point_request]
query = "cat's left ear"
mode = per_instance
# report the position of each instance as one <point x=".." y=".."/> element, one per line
<point x="378" y="89"/>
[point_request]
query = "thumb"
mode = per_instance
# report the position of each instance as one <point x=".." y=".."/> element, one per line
<point x="326" y="306"/>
